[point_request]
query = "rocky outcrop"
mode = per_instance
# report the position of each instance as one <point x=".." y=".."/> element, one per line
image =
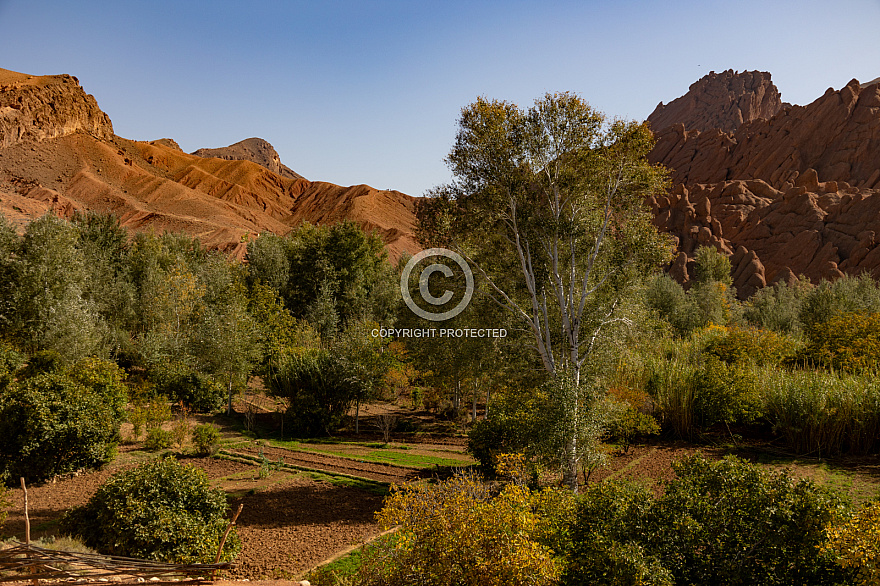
<point x="838" y="135"/>
<point x="796" y="194"/>
<point x="256" y="150"/>
<point x="721" y="100"/>
<point x="43" y="107"/>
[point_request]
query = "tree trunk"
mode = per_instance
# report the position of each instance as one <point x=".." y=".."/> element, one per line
<point x="570" y="463"/>
<point x="229" y="389"/>
<point x="357" y="415"/>
<point x="474" y="410"/>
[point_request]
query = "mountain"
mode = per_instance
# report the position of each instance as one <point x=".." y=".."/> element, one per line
<point x="58" y="152"/>
<point x="788" y="193"/>
<point x="252" y="149"/>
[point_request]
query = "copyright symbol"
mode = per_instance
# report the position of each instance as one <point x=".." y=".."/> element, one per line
<point x="423" y="284"/>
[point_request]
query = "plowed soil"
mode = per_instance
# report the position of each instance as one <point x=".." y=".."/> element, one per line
<point x="289" y="524"/>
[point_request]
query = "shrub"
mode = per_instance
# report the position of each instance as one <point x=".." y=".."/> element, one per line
<point x="718" y="522"/>
<point x="321" y="388"/>
<point x="778" y="307"/>
<point x="180" y="383"/>
<point x="751" y="345"/>
<point x="856" y="543"/>
<point x="456" y="532"/>
<point x="726" y="393"/>
<point x="846" y="341"/>
<point x="149" y="413"/>
<point x="161" y="510"/>
<point x="630" y="424"/>
<point x="52" y="425"/>
<point x="105" y="378"/>
<point x="10" y="362"/>
<point x="158" y="439"/>
<point x="206" y="439"/>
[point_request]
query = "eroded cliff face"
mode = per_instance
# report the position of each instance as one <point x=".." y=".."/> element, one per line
<point x="44" y="107"/>
<point x="721" y="100"/>
<point x="256" y="150"/>
<point x="795" y="194"/>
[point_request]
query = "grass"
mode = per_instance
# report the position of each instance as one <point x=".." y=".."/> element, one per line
<point x="385" y="454"/>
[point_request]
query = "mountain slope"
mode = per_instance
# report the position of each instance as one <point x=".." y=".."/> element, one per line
<point x="59" y="153"/>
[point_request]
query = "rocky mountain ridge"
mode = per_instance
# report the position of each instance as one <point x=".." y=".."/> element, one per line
<point x="796" y="193"/>
<point x="58" y="153"/>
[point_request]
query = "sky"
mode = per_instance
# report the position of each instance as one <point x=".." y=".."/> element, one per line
<point x="370" y="91"/>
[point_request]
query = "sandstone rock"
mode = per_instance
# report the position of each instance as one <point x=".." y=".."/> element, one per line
<point x="257" y="150"/>
<point x="721" y="100"/>
<point x="38" y="108"/>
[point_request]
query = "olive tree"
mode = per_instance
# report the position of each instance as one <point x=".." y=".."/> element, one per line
<point x="547" y="205"/>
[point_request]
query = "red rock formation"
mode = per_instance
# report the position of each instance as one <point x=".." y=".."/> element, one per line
<point x="776" y="194"/>
<point x="721" y="100"/>
<point x="51" y="106"/>
<point x="58" y="153"/>
<point x="257" y="150"/>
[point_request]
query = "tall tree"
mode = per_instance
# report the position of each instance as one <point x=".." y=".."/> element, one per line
<point x="547" y="204"/>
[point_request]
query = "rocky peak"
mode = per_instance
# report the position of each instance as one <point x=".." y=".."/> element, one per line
<point x="49" y="106"/>
<point x="256" y="150"/>
<point x="721" y="100"/>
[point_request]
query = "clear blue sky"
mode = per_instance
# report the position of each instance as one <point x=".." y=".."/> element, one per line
<point x="369" y="91"/>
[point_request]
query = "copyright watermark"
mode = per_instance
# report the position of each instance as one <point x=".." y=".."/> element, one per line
<point x="424" y="290"/>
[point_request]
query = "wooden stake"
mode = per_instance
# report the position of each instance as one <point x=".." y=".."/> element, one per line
<point x="225" y="535"/>
<point x="27" y="522"/>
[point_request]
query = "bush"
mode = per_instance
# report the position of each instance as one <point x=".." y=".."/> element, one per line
<point x="180" y="383"/>
<point x="206" y="439"/>
<point x="725" y="393"/>
<point x="105" y="379"/>
<point x="718" y="522"/>
<point x="456" y="532"/>
<point x="630" y="424"/>
<point x="321" y="388"/>
<point x="162" y="510"/>
<point x="741" y="345"/>
<point x="10" y="362"/>
<point x="846" y="341"/>
<point x="856" y="543"/>
<point x="158" y="439"/>
<point x="778" y="307"/>
<point x="52" y="425"/>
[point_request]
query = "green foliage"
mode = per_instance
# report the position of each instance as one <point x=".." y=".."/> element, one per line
<point x="10" y="362"/>
<point x="105" y="379"/>
<point x="330" y="275"/>
<point x="778" y="307"/>
<point x="856" y="543"/>
<point x="45" y="295"/>
<point x="158" y="439"/>
<point x="50" y="424"/>
<point x="846" y="341"/>
<point x="717" y="522"/>
<point x="161" y="510"/>
<point x="824" y="413"/>
<point x="672" y="303"/>
<point x="457" y="532"/>
<point x="206" y="439"/>
<point x="712" y="266"/>
<point x="320" y="388"/>
<point x="845" y="295"/>
<point x="740" y="345"/>
<point x="725" y="393"/>
<point x="322" y="384"/>
<point x="630" y="424"/>
<point x="5" y="503"/>
<point x="179" y="382"/>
